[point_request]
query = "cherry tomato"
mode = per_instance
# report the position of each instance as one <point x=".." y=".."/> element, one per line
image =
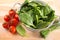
<point x="6" y="25"/>
<point x="7" y="18"/>
<point x="12" y="12"/>
<point x="16" y="17"/>
<point x="14" y="22"/>
<point x="12" y="29"/>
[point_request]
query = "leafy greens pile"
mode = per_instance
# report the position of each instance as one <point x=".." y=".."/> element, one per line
<point x="36" y="15"/>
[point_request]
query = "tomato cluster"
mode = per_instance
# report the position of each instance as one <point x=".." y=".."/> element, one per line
<point x="11" y="21"/>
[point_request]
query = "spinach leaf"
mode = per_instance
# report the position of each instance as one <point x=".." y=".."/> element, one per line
<point x="46" y="10"/>
<point x="37" y="19"/>
<point x="45" y="32"/>
<point x="50" y="17"/>
<point x="27" y="19"/>
<point x="42" y="24"/>
<point x="20" y="30"/>
<point x="41" y="13"/>
<point x="30" y="12"/>
<point x="33" y="4"/>
<point x="36" y="15"/>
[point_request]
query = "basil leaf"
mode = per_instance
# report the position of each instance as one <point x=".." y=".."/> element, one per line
<point x="20" y="30"/>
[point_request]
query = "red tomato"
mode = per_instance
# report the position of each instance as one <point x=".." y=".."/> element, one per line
<point x="12" y="12"/>
<point x="16" y="17"/>
<point x="14" y="22"/>
<point x="6" y="25"/>
<point x="7" y="18"/>
<point x="12" y="29"/>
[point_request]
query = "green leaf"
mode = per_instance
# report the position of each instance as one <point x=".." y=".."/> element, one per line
<point x="26" y="18"/>
<point x="33" y="4"/>
<point x="37" y="19"/>
<point x="51" y="16"/>
<point x="45" y="32"/>
<point x="47" y="9"/>
<point x="30" y="12"/>
<point x="41" y="13"/>
<point x="20" y="30"/>
<point x="36" y="15"/>
<point x="42" y="24"/>
<point x="26" y="1"/>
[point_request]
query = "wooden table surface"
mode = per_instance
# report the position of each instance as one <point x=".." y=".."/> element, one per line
<point x="5" y="6"/>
